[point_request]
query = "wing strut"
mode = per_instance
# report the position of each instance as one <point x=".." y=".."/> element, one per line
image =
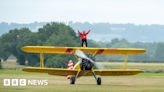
<point x="41" y="60"/>
<point x="126" y="61"/>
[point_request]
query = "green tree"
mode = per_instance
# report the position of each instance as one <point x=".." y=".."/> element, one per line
<point x="4" y="51"/>
<point x="53" y="34"/>
<point x="0" y="64"/>
<point x="13" y="41"/>
<point x="65" y="36"/>
<point x="159" y="52"/>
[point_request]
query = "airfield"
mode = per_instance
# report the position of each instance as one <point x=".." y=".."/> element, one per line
<point x="151" y="81"/>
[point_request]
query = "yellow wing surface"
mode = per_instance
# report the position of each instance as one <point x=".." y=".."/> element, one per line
<point x="66" y="72"/>
<point x="51" y="71"/>
<point x="71" y="50"/>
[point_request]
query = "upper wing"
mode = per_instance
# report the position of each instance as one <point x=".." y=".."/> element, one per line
<point x="51" y="71"/>
<point x="71" y="50"/>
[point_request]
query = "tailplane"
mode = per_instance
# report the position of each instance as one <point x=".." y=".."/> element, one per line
<point x="69" y="67"/>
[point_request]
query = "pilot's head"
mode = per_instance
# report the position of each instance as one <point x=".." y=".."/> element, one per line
<point x="84" y="31"/>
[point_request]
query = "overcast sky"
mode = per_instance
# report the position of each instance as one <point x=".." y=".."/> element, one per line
<point x="112" y="11"/>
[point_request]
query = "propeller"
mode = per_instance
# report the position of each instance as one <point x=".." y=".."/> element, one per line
<point x="81" y="54"/>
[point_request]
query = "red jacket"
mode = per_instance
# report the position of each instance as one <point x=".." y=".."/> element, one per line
<point x="83" y="35"/>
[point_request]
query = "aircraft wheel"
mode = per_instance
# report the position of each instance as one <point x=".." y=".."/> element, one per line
<point x="72" y="80"/>
<point x="98" y="81"/>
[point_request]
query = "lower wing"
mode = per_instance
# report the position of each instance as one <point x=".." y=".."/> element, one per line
<point x="52" y="71"/>
<point x="66" y="72"/>
<point x="117" y="72"/>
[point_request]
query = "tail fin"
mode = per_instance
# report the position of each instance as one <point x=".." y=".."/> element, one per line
<point x="69" y="67"/>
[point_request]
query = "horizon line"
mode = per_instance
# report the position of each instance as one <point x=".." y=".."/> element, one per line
<point x="67" y="22"/>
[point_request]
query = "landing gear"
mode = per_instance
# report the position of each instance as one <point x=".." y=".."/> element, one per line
<point x="72" y="80"/>
<point x="98" y="81"/>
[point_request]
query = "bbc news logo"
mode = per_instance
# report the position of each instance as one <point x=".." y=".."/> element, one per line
<point x="24" y="82"/>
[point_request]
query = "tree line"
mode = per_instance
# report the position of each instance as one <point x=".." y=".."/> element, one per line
<point x="59" y="34"/>
<point x="51" y="34"/>
<point x="154" y="51"/>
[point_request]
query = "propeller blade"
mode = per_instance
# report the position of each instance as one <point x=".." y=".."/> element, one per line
<point x="81" y="54"/>
<point x="98" y="66"/>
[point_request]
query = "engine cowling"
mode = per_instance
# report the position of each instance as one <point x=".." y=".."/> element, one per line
<point x="86" y="65"/>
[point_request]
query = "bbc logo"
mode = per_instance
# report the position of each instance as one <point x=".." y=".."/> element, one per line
<point x="14" y="82"/>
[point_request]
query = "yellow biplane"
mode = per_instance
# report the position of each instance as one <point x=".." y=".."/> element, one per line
<point x="85" y="65"/>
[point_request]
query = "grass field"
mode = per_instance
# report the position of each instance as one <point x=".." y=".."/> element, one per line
<point x="150" y="82"/>
<point x="147" y="67"/>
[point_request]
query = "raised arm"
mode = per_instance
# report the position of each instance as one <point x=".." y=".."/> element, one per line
<point x="79" y="32"/>
<point x="88" y="31"/>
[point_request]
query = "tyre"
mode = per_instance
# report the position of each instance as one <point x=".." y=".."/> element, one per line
<point x="72" y="80"/>
<point x="98" y="81"/>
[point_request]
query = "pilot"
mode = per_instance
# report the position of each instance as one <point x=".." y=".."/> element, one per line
<point x="83" y="38"/>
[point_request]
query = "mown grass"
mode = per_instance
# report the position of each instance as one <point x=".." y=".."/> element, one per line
<point x="144" y="82"/>
<point x="147" y="67"/>
<point x="150" y="82"/>
<point x="19" y="72"/>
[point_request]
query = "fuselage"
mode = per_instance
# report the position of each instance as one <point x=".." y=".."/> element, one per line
<point x="83" y="64"/>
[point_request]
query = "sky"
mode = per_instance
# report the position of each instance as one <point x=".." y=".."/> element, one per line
<point x="111" y="11"/>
